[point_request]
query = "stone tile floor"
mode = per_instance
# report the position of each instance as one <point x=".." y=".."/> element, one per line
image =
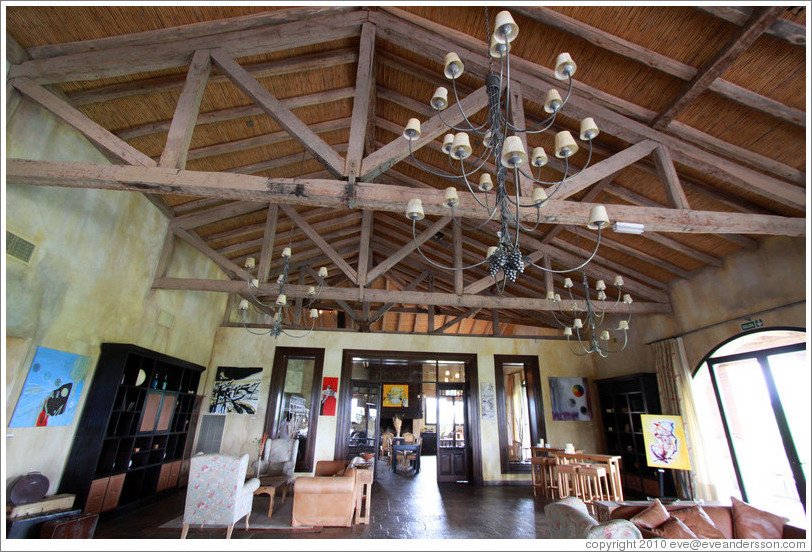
<point x="404" y="506"/>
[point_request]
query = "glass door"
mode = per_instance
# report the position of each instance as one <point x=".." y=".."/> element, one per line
<point x="364" y="420"/>
<point x="452" y="453"/>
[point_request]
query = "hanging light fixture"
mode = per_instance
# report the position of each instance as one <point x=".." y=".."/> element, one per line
<point x="505" y="150"/>
<point x="586" y="324"/>
<point x="278" y="309"/>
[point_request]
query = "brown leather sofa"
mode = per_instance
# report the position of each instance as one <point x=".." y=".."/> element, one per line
<point x="327" y="499"/>
<point x="720" y="515"/>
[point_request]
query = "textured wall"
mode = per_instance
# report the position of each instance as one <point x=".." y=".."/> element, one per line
<point x="747" y="282"/>
<point x="236" y="347"/>
<point x="88" y="282"/>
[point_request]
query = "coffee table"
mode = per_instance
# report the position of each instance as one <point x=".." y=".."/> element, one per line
<point x="269" y="485"/>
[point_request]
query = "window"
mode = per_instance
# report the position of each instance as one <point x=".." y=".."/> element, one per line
<point x="753" y="393"/>
<point x="520" y="411"/>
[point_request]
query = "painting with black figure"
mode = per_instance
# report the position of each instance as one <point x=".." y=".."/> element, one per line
<point x="236" y="390"/>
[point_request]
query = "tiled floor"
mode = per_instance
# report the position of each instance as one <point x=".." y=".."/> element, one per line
<point x="403" y="507"/>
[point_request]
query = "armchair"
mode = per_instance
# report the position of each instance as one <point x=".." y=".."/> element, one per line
<point x="217" y="493"/>
<point x="278" y="459"/>
<point x="328" y="498"/>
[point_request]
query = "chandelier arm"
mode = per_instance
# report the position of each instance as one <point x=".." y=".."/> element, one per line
<point x="417" y="246"/>
<point x="597" y="245"/>
<point x="245" y="326"/>
<point x="256" y="302"/>
<point x="574" y="351"/>
<point x="592" y="347"/>
<point x="538" y="218"/>
<point x="312" y="326"/>
<point x="483" y="158"/>
<point x="558" y="183"/>
<point x="555" y="315"/>
<point x="471" y="125"/>
<point x="427" y="169"/>
<point x="457" y="223"/>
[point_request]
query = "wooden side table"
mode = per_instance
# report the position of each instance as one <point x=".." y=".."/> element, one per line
<point x="363" y="479"/>
<point x="269" y="485"/>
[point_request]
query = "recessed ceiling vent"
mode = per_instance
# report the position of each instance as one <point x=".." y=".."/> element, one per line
<point x="19" y="248"/>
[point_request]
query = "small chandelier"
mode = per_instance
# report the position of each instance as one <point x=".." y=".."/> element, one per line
<point x="587" y="322"/>
<point x="504" y="147"/>
<point x="277" y="309"/>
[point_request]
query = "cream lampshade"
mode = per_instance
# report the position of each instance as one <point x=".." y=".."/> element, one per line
<point x="485" y="183"/>
<point x="564" y="66"/>
<point x="451" y="198"/>
<point x="565" y="145"/>
<point x="414" y="210"/>
<point x="412" y="130"/>
<point x="553" y="101"/>
<point x="453" y="66"/>
<point x="461" y="148"/>
<point x="539" y="157"/>
<point x="513" y="153"/>
<point x="440" y="99"/>
<point x="598" y="218"/>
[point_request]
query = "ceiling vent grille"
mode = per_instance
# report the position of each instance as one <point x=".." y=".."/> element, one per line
<point x="18" y="247"/>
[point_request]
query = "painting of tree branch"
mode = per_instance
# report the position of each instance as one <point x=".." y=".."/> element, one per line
<point x="236" y="390"/>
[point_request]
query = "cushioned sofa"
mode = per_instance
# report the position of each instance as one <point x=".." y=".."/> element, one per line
<point x="568" y="518"/>
<point x="739" y="520"/>
<point x="327" y="499"/>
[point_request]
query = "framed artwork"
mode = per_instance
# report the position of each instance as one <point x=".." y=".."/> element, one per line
<point x="570" y="399"/>
<point x="395" y="395"/>
<point x="235" y="391"/>
<point x="52" y="389"/>
<point x="664" y="439"/>
<point x="328" y="397"/>
<point x="488" y="401"/>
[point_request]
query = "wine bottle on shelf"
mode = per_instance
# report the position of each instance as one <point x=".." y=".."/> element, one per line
<point x="163" y="383"/>
<point x="154" y="383"/>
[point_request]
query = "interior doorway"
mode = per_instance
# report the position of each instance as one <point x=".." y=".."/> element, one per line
<point x="435" y="397"/>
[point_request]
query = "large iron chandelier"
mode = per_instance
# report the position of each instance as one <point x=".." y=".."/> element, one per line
<point x="278" y="309"/>
<point x="505" y="150"/>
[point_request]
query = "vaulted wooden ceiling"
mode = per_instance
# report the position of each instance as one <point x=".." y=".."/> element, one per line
<point x="258" y="128"/>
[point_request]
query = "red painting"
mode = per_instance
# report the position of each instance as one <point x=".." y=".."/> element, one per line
<point x="328" y="397"/>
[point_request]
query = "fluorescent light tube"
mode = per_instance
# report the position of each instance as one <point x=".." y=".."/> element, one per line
<point x="627" y="228"/>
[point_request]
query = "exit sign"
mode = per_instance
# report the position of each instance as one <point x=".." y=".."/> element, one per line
<point x="752" y="324"/>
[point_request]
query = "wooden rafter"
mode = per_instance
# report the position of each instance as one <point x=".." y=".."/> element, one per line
<point x="361" y="104"/>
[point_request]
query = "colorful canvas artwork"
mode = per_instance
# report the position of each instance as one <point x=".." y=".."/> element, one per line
<point x="395" y="396"/>
<point x="236" y="390"/>
<point x="52" y="389"/>
<point x="570" y="399"/>
<point x="328" y="397"/>
<point x="664" y="439"/>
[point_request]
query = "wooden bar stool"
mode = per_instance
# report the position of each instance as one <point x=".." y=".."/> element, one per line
<point x="594" y="482"/>
<point x="568" y="480"/>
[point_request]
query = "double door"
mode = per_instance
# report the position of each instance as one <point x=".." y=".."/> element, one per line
<point x="453" y="452"/>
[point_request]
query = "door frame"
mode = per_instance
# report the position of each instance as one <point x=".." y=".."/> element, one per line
<point x="471" y="404"/>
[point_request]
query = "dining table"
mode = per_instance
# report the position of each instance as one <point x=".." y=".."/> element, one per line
<point x="406" y="448"/>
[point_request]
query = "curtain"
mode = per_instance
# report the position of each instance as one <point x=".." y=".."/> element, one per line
<point x="676" y="398"/>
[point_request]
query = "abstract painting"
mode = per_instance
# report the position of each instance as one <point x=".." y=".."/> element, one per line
<point x="236" y="390"/>
<point x="328" y="397"/>
<point x="395" y="396"/>
<point x="664" y="438"/>
<point x="570" y="399"/>
<point x="52" y="389"/>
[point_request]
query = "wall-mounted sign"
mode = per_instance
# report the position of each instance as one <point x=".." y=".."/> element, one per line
<point x="752" y="324"/>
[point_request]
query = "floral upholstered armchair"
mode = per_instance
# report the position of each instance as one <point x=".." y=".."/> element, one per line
<point x="568" y="518"/>
<point x="278" y="459"/>
<point x="217" y="493"/>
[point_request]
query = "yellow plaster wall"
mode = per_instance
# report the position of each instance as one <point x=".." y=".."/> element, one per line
<point x="774" y="275"/>
<point x="88" y="282"/>
<point x="236" y="347"/>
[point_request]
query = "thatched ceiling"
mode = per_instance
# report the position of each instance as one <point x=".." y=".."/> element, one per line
<point x="703" y="139"/>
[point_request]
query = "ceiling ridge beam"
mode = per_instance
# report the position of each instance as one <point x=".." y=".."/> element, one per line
<point x="782" y="29"/>
<point x="337" y="259"/>
<point x="311" y="141"/>
<point x="655" y="60"/>
<point x="615" y="116"/>
<point x="161" y="55"/>
<point x="378" y="197"/>
<point x="759" y="21"/>
<point x="276" y="68"/>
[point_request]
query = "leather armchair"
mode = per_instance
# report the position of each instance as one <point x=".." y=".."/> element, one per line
<point x="327" y="499"/>
<point x="217" y="493"/>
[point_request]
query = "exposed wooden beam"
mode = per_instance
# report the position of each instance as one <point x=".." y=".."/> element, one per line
<point x="398" y="149"/>
<point x="346" y="308"/>
<point x="161" y="54"/>
<point x="782" y="29"/>
<point x="457" y="319"/>
<point x="457" y="245"/>
<point x="388" y="306"/>
<point x="186" y="111"/>
<point x="311" y="141"/>
<point x="231" y="269"/>
<point x="605" y="168"/>
<point x="759" y="21"/>
<point x="616" y="117"/>
<point x="408" y="248"/>
<point x="670" y="179"/>
<point x="378" y="197"/>
<point x="655" y="60"/>
<point x="268" y="238"/>
<point x="215" y="214"/>
<point x="308" y="62"/>
<point x="486" y="282"/>
<point x="517" y="119"/>
<point x="684" y="249"/>
<point x="337" y="259"/>
<point x="495" y="321"/>
<point x="262" y="166"/>
<point x="98" y="135"/>
<point x="166" y="254"/>
<point x="361" y="104"/>
<point x="364" y="256"/>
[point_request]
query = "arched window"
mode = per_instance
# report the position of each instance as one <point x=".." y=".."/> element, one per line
<point x="752" y="395"/>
